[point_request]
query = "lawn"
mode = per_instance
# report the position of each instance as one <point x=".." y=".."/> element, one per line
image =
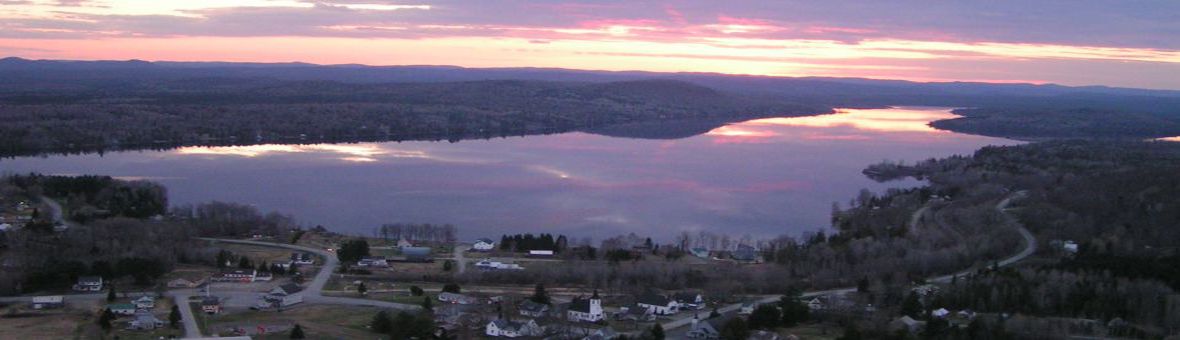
<point x="317" y="321"/>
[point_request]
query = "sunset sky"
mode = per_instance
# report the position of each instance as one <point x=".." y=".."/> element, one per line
<point x="1134" y="43"/>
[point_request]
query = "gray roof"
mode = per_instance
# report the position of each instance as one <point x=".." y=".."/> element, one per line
<point x="531" y="306"/>
<point x="291" y="288"/>
<point x="485" y="240"/>
<point x="651" y="298"/>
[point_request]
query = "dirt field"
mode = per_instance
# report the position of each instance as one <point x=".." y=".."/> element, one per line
<point x="18" y="321"/>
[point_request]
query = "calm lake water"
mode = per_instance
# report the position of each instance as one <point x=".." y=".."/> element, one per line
<point x="761" y="177"/>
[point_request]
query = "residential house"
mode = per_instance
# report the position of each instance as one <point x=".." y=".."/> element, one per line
<point x="496" y="265"/>
<point x="144" y="302"/>
<point x="122" y="308"/>
<point x="586" y="309"/>
<point x="89" y="284"/>
<point x="634" y="313"/>
<point x="145" y="321"/>
<point x="237" y="275"/>
<point x="689" y="300"/>
<point x="460" y="299"/>
<point x="763" y="335"/>
<point x="907" y="324"/>
<point x="282" y="296"/>
<point x="815" y="304"/>
<point x="744" y="253"/>
<point x="404" y="243"/>
<point x="700" y="252"/>
<point x="940" y="313"/>
<point x="48" y="302"/>
<point x="532" y="309"/>
<point x="707" y="329"/>
<point x="302" y="259"/>
<point x="657" y="304"/>
<point x="264" y="276"/>
<point x="540" y="253"/>
<point x="483" y="244"/>
<point x="5" y="227"/>
<point x="211" y="305"/>
<point x="512" y="329"/>
<point x="747" y="308"/>
<point x="605" y="333"/>
<point x="373" y="261"/>
<point x="189" y="280"/>
<point x="417" y="254"/>
<point x="1070" y="247"/>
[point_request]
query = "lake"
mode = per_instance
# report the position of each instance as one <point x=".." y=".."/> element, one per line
<point x="762" y="177"/>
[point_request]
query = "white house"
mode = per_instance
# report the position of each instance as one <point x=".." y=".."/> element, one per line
<point x="703" y="330"/>
<point x="940" y="313"/>
<point x="1070" y="247"/>
<point x="47" y="302"/>
<point x="532" y="309"/>
<point x="657" y="304"/>
<point x="89" y="284"/>
<point x="747" y="308"/>
<point x="239" y="275"/>
<point x="144" y="302"/>
<point x="461" y="299"/>
<point x="145" y="321"/>
<point x="512" y="329"/>
<point x="122" y="308"/>
<point x="586" y="309"/>
<point x="483" y="244"/>
<point x="211" y="305"/>
<point x="689" y="300"/>
<point x="302" y="259"/>
<point x="540" y="253"/>
<point x="373" y="261"/>
<point x="404" y="243"/>
<point x="282" y="296"/>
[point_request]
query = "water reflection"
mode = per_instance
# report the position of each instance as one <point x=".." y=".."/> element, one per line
<point x="762" y="177"/>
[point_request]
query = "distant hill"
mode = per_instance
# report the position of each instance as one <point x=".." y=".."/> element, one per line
<point x="505" y="101"/>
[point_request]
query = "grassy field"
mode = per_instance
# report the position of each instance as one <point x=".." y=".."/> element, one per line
<point x="318" y="322"/>
<point x="259" y="253"/>
<point x="814" y="331"/>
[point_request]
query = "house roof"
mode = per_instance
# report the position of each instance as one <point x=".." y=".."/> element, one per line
<point x="90" y="279"/>
<point x="531" y="306"/>
<point x="580" y="304"/>
<point x="145" y="299"/>
<point x="508" y="325"/>
<point x="744" y="253"/>
<point x="651" y="298"/>
<point x="290" y="288"/>
<point x="484" y="240"/>
<point x="416" y="251"/>
<point x="686" y="297"/>
<point x="48" y="299"/>
<point x="120" y="306"/>
<point x="210" y="301"/>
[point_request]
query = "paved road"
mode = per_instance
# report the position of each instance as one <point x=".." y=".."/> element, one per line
<point x="1030" y="246"/>
<point x="191" y="329"/>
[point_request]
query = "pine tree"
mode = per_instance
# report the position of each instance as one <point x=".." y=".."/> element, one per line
<point x="362" y="289"/>
<point x="111" y="296"/>
<point x="657" y="332"/>
<point x="539" y="295"/>
<point x="381" y="323"/>
<point x="297" y="332"/>
<point x="104" y="320"/>
<point x="427" y="304"/>
<point x="174" y="317"/>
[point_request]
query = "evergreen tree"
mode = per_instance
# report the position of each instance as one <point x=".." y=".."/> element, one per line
<point x="539" y="295"/>
<point x="912" y="306"/>
<point x="362" y="289"/>
<point x="297" y="332"/>
<point x="174" y="317"/>
<point x="735" y="329"/>
<point x="416" y="291"/>
<point x="850" y="333"/>
<point x="657" y="332"/>
<point x="452" y="288"/>
<point x="381" y="323"/>
<point x="765" y="317"/>
<point x="111" y="296"/>
<point x="104" y="319"/>
<point x="448" y="265"/>
<point x="427" y="303"/>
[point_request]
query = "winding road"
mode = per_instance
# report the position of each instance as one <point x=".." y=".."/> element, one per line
<point x="1030" y="247"/>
